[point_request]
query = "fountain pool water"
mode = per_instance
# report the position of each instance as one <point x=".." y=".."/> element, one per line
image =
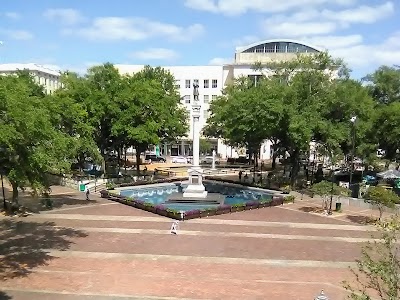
<point x="232" y="194"/>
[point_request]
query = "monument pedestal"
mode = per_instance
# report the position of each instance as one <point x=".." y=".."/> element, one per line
<point x="195" y="188"/>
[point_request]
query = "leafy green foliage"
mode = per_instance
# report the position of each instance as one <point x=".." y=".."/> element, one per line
<point x="388" y="129"/>
<point x="381" y="197"/>
<point x="384" y="84"/>
<point x="378" y="270"/>
<point x="31" y="143"/>
<point x="149" y="110"/>
<point x="205" y="146"/>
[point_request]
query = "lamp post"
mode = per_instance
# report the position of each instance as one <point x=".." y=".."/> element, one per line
<point x="353" y="138"/>
<point x="332" y="187"/>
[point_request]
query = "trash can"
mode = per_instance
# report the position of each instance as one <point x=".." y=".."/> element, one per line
<point x="82" y="187"/>
<point x="338" y="206"/>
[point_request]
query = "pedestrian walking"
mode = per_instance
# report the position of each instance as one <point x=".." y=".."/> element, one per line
<point x="240" y="175"/>
<point x="87" y="194"/>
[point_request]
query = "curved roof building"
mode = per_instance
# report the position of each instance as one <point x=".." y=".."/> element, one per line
<point x="273" y="50"/>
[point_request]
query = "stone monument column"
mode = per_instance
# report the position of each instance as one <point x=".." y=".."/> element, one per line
<point x="196" y="188"/>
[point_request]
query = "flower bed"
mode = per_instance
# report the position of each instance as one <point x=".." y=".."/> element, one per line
<point x="252" y="205"/>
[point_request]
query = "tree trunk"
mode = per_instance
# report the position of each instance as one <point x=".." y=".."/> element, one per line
<point x="125" y="150"/>
<point x="380" y="212"/>
<point x="80" y="162"/>
<point x="14" y="193"/>
<point x="294" y="157"/>
<point x="274" y="157"/>
<point x="119" y="159"/>
<point x="137" y="160"/>
<point x="103" y="163"/>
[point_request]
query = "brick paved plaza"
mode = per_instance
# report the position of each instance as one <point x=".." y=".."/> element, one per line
<point x="105" y="250"/>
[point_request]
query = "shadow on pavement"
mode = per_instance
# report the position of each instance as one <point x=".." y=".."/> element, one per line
<point x="57" y="201"/>
<point x="36" y="205"/>
<point x="4" y="296"/>
<point x="24" y="245"/>
<point x="363" y="220"/>
<point x="311" y="209"/>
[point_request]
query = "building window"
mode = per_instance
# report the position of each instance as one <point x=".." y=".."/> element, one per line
<point x="177" y="84"/>
<point x="206" y="98"/>
<point x="187" y="83"/>
<point x="206" y="83"/>
<point x="186" y="98"/>
<point x="214" y="97"/>
<point x="205" y="114"/>
<point x="196" y="81"/>
<point x="214" y="83"/>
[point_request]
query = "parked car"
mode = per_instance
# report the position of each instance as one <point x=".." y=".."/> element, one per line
<point x="154" y="158"/>
<point x="179" y="160"/>
<point x="208" y="160"/>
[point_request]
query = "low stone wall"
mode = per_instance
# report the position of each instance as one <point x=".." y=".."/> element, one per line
<point x="357" y="202"/>
<point x="58" y="179"/>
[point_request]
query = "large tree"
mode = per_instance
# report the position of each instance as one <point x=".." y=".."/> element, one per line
<point x="104" y="85"/>
<point x="69" y="108"/>
<point x="388" y="129"/>
<point x="384" y="84"/>
<point x="246" y="114"/>
<point x="31" y="143"/>
<point x="308" y="82"/>
<point x="149" y="110"/>
<point x="335" y="130"/>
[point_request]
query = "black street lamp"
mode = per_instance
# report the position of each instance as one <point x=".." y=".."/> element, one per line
<point x="353" y="138"/>
<point x="332" y="188"/>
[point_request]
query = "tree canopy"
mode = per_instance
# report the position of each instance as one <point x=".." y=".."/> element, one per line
<point x="308" y="99"/>
<point x="87" y="119"/>
<point x="31" y="142"/>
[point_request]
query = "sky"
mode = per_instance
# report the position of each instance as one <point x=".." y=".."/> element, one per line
<point x="76" y="34"/>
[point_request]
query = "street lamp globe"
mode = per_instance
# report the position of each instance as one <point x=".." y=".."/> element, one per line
<point x="353" y="119"/>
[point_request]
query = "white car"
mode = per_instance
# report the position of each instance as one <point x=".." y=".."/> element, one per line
<point x="179" y="160"/>
<point x="208" y="160"/>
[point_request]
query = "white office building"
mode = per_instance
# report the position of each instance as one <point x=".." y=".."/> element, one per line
<point x="212" y="80"/>
<point x="48" y="78"/>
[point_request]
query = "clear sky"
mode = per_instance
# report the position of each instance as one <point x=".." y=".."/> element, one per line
<point x="75" y="34"/>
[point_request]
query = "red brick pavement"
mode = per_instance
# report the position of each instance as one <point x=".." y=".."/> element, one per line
<point x="280" y="214"/>
<point x="217" y="246"/>
<point x="189" y="226"/>
<point x="191" y="280"/>
<point x="82" y="275"/>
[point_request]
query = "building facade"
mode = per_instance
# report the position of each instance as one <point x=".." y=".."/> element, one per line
<point x="48" y="78"/>
<point x="213" y="79"/>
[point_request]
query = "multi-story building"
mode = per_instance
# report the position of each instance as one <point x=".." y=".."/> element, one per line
<point x="48" y="78"/>
<point x="213" y="79"/>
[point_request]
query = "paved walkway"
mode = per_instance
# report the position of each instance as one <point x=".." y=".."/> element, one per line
<point x="105" y="250"/>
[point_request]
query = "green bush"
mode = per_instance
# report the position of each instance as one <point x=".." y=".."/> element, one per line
<point x="289" y="199"/>
<point x="110" y="185"/>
